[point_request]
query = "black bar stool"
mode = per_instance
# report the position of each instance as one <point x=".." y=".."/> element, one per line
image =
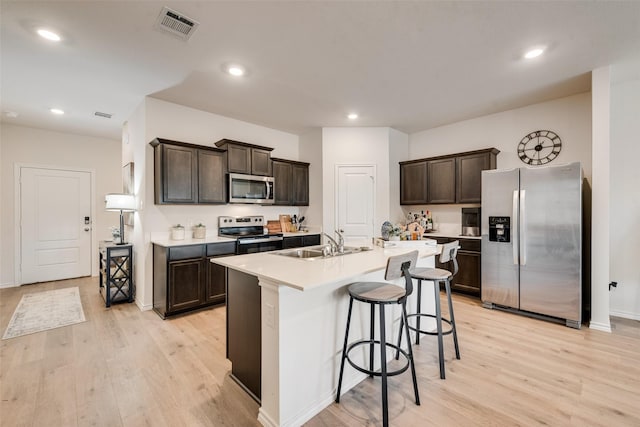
<point x="437" y="275"/>
<point x="380" y="293"/>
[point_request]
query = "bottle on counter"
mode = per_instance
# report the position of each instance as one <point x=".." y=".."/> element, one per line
<point x="423" y="220"/>
<point x="429" y="221"/>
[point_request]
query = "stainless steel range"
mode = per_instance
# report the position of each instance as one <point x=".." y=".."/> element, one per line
<point x="250" y="234"/>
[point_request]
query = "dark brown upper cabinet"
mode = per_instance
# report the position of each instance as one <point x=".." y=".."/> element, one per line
<point x="246" y="158"/>
<point x="212" y="172"/>
<point x="441" y="181"/>
<point x="413" y="183"/>
<point x="188" y="173"/>
<point x="454" y="178"/>
<point x="291" y="182"/>
<point x="469" y="169"/>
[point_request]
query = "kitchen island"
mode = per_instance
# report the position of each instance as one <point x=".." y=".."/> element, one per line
<point x="303" y="308"/>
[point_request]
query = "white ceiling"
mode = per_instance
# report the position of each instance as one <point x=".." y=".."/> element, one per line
<point x="408" y="65"/>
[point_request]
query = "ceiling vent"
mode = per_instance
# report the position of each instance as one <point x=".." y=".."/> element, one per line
<point x="176" y="24"/>
<point x="105" y="115"/>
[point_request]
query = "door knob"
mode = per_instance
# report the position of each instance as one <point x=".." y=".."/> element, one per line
<point x="86" y="229"/>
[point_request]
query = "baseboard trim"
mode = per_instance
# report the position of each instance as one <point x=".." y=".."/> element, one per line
<point x="304" y="416"/>
<point x="604" y="327"/>
<point x="265" y="419"/>
<point x="8" y="285"/>
<point x="625" y="314"/>
<point x="143" y="307"/>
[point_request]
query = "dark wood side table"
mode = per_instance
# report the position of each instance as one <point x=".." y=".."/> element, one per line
<point x="116" y="272"/>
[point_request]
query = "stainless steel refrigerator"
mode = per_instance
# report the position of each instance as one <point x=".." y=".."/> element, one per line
<point x="532" y="241"/>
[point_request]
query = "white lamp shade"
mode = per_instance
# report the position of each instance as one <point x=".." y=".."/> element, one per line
<point x="120" y="202"/>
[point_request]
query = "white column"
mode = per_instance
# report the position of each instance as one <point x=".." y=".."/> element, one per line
<point x="600" y="110"/>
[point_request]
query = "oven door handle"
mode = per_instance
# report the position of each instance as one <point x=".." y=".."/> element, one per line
<point x="265" y="240"/>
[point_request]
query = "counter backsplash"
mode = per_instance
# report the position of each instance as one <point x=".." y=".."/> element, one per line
<point x="446" y="218"/>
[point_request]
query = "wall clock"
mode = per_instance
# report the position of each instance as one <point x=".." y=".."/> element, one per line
<point x="539" y="147"/>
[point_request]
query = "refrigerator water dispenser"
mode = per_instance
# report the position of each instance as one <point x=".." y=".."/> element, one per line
<point x="500" y="229"/>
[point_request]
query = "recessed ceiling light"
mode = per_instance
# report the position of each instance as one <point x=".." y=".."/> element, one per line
<point x="57" y="111"/>
<point x="352" y="116"/>
<point x="534" y="53"/>
<point x="236" y="70"/>
<point x="49" y="35"/>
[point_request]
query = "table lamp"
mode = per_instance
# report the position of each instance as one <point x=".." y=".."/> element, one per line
<point x="122" y="203"/>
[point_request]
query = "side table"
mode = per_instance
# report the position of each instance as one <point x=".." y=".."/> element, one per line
<point x="116" y="272"/>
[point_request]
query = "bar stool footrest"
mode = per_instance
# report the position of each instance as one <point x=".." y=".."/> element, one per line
<point x="377" y="373"/>
<point x="433" y="316"/>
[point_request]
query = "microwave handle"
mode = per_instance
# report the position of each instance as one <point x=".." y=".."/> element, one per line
<point x="269" y="190"/>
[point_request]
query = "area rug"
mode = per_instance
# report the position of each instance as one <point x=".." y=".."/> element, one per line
<point x="45" y="310"/>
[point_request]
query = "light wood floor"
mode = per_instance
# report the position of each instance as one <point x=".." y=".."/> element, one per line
<point x="123" y="367"/>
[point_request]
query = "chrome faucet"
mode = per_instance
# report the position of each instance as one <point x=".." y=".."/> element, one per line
<point x="340" y="241"/>
<point x="334" y="245"/>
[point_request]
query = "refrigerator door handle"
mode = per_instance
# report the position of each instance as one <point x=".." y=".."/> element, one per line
<point x="514" y="231"/>
<point x="523" y="230"/>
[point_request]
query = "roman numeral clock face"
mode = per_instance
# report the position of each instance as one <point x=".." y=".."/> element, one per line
<point x="539" y="147"/>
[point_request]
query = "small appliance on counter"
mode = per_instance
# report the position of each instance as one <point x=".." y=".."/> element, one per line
<point x="470" y="222"/>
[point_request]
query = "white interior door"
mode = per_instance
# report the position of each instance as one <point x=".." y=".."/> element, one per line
<point x="355" y="203"/>
<point x="55" y="224"/>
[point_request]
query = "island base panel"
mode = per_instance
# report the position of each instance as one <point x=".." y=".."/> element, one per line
<point x="243" y="326"/>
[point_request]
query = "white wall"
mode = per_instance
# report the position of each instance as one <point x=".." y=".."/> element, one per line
<point x="569" y="117"/>
<point x="355" y="146"/>
<point x="625" y="191"/>
<point x="600" y="202"/>
<point x="310" y="147"/>
<point x="172" y="121"/>
<point x="48" y="148"/>
<point x="398" y="151"/>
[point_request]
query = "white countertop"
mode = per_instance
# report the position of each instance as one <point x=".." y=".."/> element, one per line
<point x="450" y="235"/>
<point x="167" y="243"/>
<point x="306" y="274"/>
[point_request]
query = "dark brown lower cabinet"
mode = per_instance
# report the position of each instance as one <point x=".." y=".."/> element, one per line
<point x="469" y="275"/>
<point x="184" y="278"/>
<point x="468" y="278"/>
<point x="300" y="241"/>
<point x="244" y="337"/>
<point x="184" y="285"/>
<point x="216" y="282"/>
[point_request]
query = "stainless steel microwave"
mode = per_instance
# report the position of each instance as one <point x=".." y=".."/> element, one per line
<point x="250" y="189"/>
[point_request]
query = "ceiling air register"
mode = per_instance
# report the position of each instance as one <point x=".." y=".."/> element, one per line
<point x="176" y="24"/>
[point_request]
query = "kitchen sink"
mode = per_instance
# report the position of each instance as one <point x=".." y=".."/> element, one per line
<point x="316" y="252"/>
<point x="301" y="253"/>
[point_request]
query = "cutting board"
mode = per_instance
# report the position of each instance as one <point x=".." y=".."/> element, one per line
<point x="274" y="227"/>
<point x="285" y="223"/>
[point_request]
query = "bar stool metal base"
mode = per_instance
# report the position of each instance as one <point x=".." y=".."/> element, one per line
<point x="433" y="316"/>
<point x="377" y="373"/>
<point x="439" y="320"/>
<point x="383" y="345"/>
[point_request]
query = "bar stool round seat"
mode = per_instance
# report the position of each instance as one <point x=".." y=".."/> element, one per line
<point x="382" y="294"/>
<point x="437" y="275"/>
<point x="376" y="293"/>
